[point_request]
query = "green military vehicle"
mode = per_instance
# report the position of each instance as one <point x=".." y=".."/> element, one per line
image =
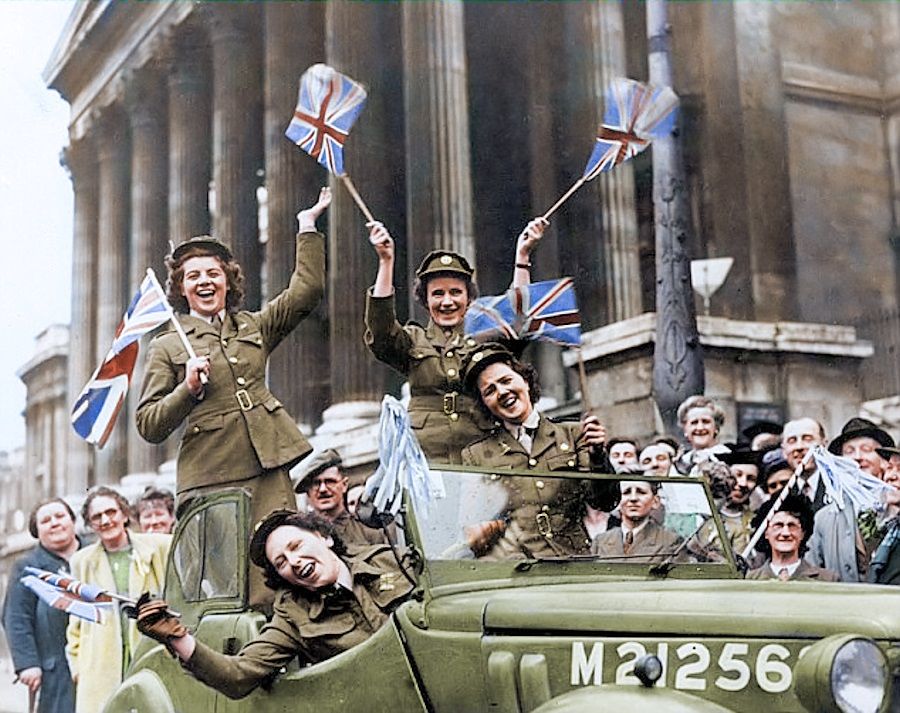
<point x="679" y="631"/>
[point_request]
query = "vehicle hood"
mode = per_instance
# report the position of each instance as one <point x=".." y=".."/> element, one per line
<point x="730" y="608"/>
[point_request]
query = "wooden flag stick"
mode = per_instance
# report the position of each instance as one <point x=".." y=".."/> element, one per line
<point x="357" y="198"/>
<point x="175" y="323"/>
<point x="582" y="379"/>
<point x="564" y="198"/>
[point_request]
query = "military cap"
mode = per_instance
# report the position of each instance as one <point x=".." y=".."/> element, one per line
<point x="741" y="456"/>
<point x="261" y="532"/>
<point x="203" y="242"/>
<point x="315" y="463"/>
<point x="486" y="354"/>
<point x="444" y="261"/>
<point x="860" y="428"/>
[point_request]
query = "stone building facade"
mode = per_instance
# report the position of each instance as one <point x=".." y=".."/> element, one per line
<point x="479" y="116"/>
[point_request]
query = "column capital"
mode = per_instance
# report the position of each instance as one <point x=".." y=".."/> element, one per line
<point x="145" y="96"/>
<point x="79" y="158"/>
<point x="110" y="128"/>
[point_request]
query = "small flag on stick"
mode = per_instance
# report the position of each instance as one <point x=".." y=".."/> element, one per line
<point x="86" y="601"/>
<point x="634" y="115"/>
<point x="327" y="107"/>
<point x="98" y="404"/>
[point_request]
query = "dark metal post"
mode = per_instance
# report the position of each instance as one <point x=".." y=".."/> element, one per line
<point x="677" y="360"/>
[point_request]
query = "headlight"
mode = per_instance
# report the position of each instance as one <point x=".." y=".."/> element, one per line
<point x="843" y="674"/>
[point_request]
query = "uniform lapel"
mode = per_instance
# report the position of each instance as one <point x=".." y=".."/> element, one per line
<point x="544" y="437"/>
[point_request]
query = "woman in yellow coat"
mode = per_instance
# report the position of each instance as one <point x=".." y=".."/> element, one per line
<point x="120" y="561"/>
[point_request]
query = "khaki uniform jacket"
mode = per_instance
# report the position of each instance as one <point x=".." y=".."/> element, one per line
<point x="238" y="429"/>
<point x="443" y="418"/>
<point x="804" y="571"/>
<point x="353" y="532"/>
<point x="94" y="651"/>
<point x="313" y="626"/>
<point x="544" y="514"/>
<point x="652" y="542"/>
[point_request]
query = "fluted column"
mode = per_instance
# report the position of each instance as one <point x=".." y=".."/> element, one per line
<point x="237" y="135"/>
<point x="112" y="265"/>
<point x="438" y="170"/>
<point x="189" y="135"/>
<point x="146" y="99"/>
<point x="298" y="369"/>
<point x="81" y="159"/>
<point x="360" y="38"/>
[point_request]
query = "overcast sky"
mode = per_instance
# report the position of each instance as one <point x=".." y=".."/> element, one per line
<point x="35" y="198"/>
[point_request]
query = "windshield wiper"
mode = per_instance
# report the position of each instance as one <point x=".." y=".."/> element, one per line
<point x="663" y="568"/>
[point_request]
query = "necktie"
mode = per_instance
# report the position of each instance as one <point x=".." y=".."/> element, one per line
<point x="806" y="490"/>
<point x="629" y="541"/>
<point x="217" y="323"/>
<point x="526" y="438"/>
<point x="783" y="574"/>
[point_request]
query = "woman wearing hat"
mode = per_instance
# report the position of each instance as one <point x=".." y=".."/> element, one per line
<point x="545" y="516"/>
<point x="236" y="432"/>
<point x="328" y="598"/>
<point x="443" y="417"/>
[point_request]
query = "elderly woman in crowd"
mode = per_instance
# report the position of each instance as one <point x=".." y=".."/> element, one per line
<point x="701" y="421"/>
<point x="320" y="586"/>
<point x="443" y="417"/>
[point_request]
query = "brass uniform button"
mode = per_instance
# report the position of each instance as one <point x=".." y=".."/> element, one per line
<point x="449" y="355"/>
<point x="494" y="476"/>
<point x="241" y="380"/>
<point x="224" y="342"/>
<point x="470" y="342"/>
<point x="545" y="508"/>
<point x="233" y="360"/>
<point x="532" y="462"/>
<point x="196" y="429"/>
<point x="451" y="372"/>
<point x="540" y="483"/>
<point x="563" y="446"/>
<point x="454" y="416"/>
<point x="571" y="462"/>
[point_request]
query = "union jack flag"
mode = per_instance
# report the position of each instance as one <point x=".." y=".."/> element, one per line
<point x="635" y="114"/>
<point x="98" y="404"/>
<point x="86" y="601"/>
<point x="327" y="106"/>
<point x="542" y="311"/>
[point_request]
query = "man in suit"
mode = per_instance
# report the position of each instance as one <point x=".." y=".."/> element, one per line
<point x="786" y="536"/>
<point x="639" y="538"/>
<point x="797" y="439"/>
<point x="35" y="631"/>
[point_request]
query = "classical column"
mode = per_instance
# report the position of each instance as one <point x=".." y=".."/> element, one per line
<point x="438" y="171"/>
<point x="112" y="265"/>
<point x="237" y="135"/>
<point x="360" y="38"/>
<point x="81" y="160"/>
<point x="145" y="95"/>
<point x="298" y="369"/>
<point x="189" y="135"/>
<point x="769" y="209"/>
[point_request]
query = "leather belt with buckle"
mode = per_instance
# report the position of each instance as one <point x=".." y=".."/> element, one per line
<point x="450" y="403"/>
<point x="243" y="399"/>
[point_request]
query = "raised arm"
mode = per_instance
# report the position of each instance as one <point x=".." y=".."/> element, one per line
<point x="525" y="245"/>
<point x="384" y="247"/>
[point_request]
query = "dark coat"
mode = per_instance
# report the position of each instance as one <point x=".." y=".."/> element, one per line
<point x="238" y="430"/>
<point x="804" y="571"/>
<point x="443" y="417"/>
<point x="36" y="633"/>
<point x="311" y="626"/>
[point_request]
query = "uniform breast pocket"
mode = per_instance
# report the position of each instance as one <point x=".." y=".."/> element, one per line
<point x="332" y="627"/>
<point x="205" y="425"/>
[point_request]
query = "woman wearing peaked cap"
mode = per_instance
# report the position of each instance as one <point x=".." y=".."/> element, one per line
<point x="443" y="417"/>
<point x="236" y="432"/>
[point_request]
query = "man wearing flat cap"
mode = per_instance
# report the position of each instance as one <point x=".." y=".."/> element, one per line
<point x="321" y="477"/>
<point x="236" y="432"/>
<point x="838" y="542"/>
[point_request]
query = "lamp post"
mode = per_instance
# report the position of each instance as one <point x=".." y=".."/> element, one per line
<point x="677" y="359"/>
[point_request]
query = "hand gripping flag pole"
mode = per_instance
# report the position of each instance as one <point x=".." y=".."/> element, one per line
<point x="327" y="106"/>
<point x="635" y="113"/>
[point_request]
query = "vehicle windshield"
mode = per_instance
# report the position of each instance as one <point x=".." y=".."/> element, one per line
<point x="524" y="519"/>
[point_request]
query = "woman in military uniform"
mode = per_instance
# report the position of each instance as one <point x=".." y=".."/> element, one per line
<point x="544" y="516"/>
<point x="329" y="598"/>
<point x="236" y="432"/>
<point x="442" y="416"/>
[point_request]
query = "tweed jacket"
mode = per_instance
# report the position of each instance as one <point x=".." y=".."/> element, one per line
<point x="443" y="417"/>
<point x="804" y="571"/>
<point x="36" y="633"/>
<point x="238" y="429"/>
<point x="652" y="542"/>
<point x="313" y="626"/>
<point x="95" y="650"/>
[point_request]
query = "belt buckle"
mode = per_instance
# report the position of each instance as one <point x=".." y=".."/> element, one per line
<point x="449" y="403"/>
<point x="243" y="399"/>
<point x="543" y="524"/>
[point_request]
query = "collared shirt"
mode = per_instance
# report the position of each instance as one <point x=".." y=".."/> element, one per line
<point x="791" y="568"/>
<point x="209" y="320"/>
<point x="524" y="432"/>
<point x="813" y="481"/>
<point x="635" y="530"/>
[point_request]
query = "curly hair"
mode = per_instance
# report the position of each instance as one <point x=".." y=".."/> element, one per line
<point x="32" y="517"/>
<point x="701" y="401"/>
<point x="234" y="298"/>
<point x="102" y="490"/>
<point x="151" y="496"/>
<point x="523" y="369"/>
<point x="420" y="286"/>
<point x="311" y="522"/>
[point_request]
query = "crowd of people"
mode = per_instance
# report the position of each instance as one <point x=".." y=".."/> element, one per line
<point x="323" y="575"/>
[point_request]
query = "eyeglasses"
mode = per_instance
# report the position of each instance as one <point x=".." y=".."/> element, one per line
<point x="98" y="516"/>
<point x="330" y="483"/>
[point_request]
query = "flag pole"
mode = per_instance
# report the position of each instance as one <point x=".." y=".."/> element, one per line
<point x="564" y="198"/>
<point x="776" y="505"/>
<point x="356" y="197"/>
<point x="178" y="328"/>
<point x="586" y="405"/>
